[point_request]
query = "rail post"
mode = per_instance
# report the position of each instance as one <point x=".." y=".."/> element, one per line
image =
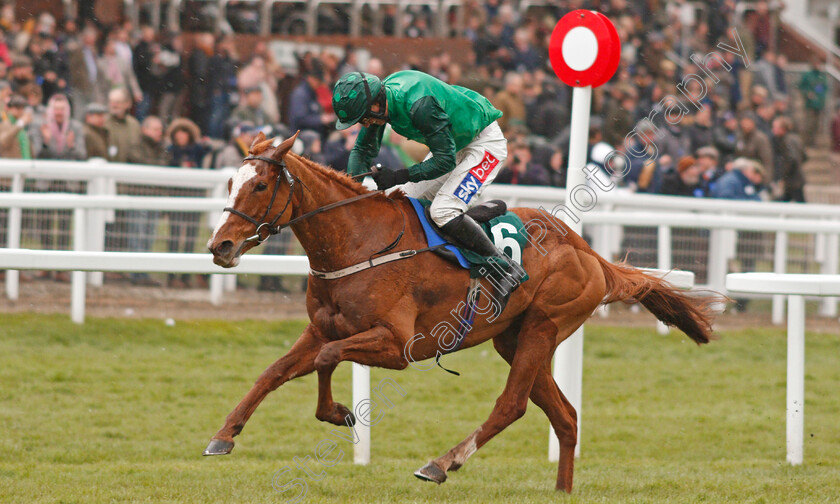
<point x="779" y="266"/>
<point x="77" y="286"/>
<point x="15" y="217"/>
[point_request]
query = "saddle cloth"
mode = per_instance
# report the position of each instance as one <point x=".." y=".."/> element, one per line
<point x="498" y="224"/>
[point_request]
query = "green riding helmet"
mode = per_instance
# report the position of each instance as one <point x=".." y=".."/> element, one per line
<point x="353" y="96"/>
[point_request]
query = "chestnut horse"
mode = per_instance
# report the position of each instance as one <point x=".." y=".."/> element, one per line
<point x="370" y="316"/>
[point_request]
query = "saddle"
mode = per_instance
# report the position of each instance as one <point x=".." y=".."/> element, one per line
<point x="480" y="213"/>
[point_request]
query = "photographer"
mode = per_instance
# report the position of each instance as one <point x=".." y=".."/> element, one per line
<point x="521" y="170"/>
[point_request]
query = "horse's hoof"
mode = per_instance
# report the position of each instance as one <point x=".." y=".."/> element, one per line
<point x="340" y="415"/>
<point x="218" y="447"/>
<point x="431" y="472"/>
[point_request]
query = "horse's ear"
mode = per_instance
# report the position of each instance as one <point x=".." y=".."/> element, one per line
<point x="259" y="138"/>
<point x="285" y="146"/>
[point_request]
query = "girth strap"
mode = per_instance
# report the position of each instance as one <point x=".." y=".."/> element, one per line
<point x="370" y="263"/>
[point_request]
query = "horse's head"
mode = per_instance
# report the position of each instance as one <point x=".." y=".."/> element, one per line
<point x="259" y="200"/>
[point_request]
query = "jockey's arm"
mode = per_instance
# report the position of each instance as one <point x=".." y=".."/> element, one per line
<point x="432" y="121"/>
<point x="365" y="150"/>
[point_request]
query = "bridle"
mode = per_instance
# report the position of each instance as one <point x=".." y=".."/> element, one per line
<point x="261" y="223"/>
<point x="266" y="229"/>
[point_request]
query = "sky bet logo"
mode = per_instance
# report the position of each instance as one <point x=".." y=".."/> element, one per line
<point x="477" y="175"/>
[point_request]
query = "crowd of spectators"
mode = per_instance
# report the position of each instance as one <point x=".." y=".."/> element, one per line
<point x="132" y="94"/>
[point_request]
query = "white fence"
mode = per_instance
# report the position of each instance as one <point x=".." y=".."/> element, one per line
<point x="616" y="216"/>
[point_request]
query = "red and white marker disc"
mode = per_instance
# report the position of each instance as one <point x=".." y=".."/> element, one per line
<point x="584" y="49"/>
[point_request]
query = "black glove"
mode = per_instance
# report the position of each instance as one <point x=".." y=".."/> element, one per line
<point x="387" y="177"/>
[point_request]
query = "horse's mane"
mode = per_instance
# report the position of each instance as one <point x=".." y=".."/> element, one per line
<point x="340" y="177"/>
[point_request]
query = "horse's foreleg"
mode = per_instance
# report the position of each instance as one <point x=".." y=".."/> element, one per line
<point x="378" y="347"/>
<point x="547" y="395"/>
<point x="299" y="361"/>
<point x="531" y="352"/>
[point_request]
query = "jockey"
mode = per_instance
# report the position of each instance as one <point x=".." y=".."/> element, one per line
<point x="467" y="147"/>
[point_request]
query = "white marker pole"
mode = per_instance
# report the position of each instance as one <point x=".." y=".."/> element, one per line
<point x="795" y="379"/>
<point x="568" y="358"/>
<point x="361" y="393"/>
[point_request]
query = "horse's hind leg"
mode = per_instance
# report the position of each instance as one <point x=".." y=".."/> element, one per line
<point x="547" y="395"/>
<point x="299" y="361"/>
<point x="531" y="352"/>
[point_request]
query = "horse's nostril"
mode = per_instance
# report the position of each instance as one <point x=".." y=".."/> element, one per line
<point x="224" y="248"/>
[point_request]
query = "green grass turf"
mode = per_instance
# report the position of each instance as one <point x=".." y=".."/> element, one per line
<point x="120" y="411"/>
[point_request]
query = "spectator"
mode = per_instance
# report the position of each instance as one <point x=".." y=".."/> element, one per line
<point x="172" y="79"/>
<point x="350" y="62"/>
<point x="117" y="72"/>
<point x="96" y="135"/>
<point x="232" y="154"/>
<point x="789" y="158"/>
<point x="121" y="35"/>
<point x="685" y="180"/>
<point x="59" y="136"/>
<point x="767" y="74"/>
<point x="222" y="83"/>
<point x="143" y="223"/>
<point x="488" y="45"/>
<point x="50" y="69"/>
<point x="752" y="143"/>
<point x="150" y="150"/>
<point x="14" y="139"/>
<point x="250" y="107"/>
<point x="522" y="170"/>
<point x="524" y="54"/>
<point x="618" y="120"/>
<point x="148" y="70"/>
<point x="510" y="102"/>
<point x="557" y="169"/>
<point x="258" y="74"/>
<point x="813" y="86"/>
<point x="21" y="73"/>
<point x="305" y="112"/>
<point x="725" y="136"/>
<point x="199" y="70"/>
<point x="35" y="98"/>
<point x="86" y="82"/>
<point x="764" y="115"/>
<point x="710" y="168"/>
<point x="312" y="146"/>
<point x="185" y="151"/>
<point x="123" y="138"/>
<point x="742" y="182"/>
<point x="123" y="128"/>
<point x="700" y="132"/>
<point x="375" y="67"/>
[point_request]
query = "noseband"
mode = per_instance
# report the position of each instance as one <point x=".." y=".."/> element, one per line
<point x="270" y="228"/>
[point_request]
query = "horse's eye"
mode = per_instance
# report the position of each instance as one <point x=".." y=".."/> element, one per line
<point x="262" y="186"/>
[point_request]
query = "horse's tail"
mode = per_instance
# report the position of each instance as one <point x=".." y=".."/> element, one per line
<point x="691" y="314"/>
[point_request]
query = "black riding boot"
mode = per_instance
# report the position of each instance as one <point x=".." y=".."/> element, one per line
<point x="467" y="233"/>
